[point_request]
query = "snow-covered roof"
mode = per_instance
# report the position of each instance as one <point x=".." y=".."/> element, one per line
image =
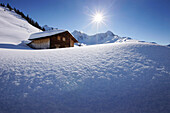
<point x="45" y="33"/>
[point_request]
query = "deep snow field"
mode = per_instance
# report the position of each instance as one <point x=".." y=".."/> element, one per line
<point x="107" y="78"/>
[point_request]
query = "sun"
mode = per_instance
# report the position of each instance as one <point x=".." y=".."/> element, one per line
<point x="98" y="17"/>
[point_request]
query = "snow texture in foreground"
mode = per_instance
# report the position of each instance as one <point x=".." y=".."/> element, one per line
<point x="13" y="28"/>
<point x="108" y="78"/>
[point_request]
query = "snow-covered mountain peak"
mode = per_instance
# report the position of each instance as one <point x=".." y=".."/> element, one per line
<point x="109" y="33"/>
<point x="76" y="32"/>
<point x="100" y="38"/>
<point x="47" y="28"/>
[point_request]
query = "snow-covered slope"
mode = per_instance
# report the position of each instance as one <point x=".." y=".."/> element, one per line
<point x="13" y="28"/>
<point x="106" y="78"/>
<point x="100" y="38"/>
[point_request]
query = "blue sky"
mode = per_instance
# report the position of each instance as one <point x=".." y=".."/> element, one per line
<point x="147" y="20"/>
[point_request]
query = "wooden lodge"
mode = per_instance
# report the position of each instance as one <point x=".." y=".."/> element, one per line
<point x="52" y="39"/>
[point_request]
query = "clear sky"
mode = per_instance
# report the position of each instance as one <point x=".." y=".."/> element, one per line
<point x="147" y="20"/>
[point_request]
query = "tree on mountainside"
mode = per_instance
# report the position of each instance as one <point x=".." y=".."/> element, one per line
<point x="27" y="18"/>
<point x="2" y="5"/>
<point x="8" y="6"/>
<point x="15" y="9"/>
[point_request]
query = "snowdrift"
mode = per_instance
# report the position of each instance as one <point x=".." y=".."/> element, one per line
<point x="108" y="78"/>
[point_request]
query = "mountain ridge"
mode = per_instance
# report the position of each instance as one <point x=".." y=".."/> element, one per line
<point x="100" y="38"/>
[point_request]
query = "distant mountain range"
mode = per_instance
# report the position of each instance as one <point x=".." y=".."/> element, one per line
<point x="100" y="38"/>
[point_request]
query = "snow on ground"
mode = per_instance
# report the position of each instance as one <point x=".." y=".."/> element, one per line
<point x="107" y="78"/>
<point x="13" y="28"/>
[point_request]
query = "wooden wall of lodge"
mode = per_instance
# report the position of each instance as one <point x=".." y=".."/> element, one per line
<point x="41" y="43"/>
<point x="57" y="41"/>
<point x="61" y="40"/>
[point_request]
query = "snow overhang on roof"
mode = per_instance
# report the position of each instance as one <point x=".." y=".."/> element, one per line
<point x="45" y="34"/>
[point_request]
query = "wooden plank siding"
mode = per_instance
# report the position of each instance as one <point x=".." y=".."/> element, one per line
<point x="60" y="41"/>
<point x="41" y="43"/>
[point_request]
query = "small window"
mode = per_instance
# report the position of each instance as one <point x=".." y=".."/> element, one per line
<point x="64" y="39"/>
<point x="58" y="38"/>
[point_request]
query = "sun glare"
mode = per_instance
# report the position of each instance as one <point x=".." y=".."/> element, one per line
<point x="98" y="18"/>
